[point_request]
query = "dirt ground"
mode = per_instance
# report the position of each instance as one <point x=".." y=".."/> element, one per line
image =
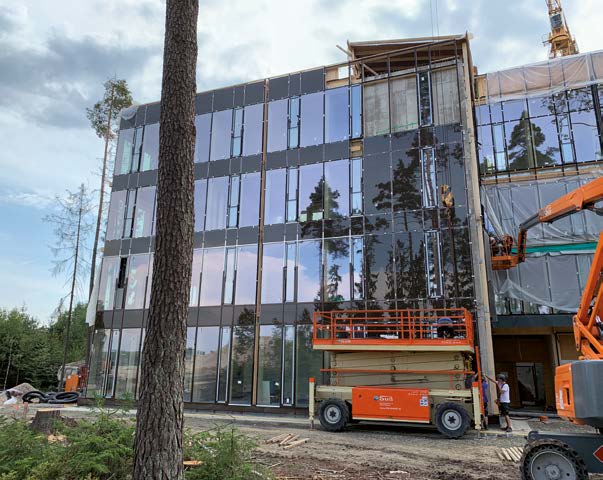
<point x="366" y="452"/>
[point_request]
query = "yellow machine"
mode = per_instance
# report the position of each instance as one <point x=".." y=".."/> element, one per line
<point x="560" y="39"/>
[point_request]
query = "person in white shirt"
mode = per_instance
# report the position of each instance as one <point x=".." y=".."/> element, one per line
<point x="504" y="399"/>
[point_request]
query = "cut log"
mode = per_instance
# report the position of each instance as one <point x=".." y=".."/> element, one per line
<point x="192" y="463"/>
<point x="278" y="438"/>
<point x="45" y="420"/>
<point x="295" y="444"/>
<point x="286" y="439"/>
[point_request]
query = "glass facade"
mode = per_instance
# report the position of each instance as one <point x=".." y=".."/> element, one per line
<point x="332" y="202"/>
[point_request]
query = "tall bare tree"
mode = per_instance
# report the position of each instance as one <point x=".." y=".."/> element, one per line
<point x="103" y="119"/>
<point x="158" y="443"/>
<point x="72" y="226"/>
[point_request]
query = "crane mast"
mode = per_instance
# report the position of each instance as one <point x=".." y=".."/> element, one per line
<point x="560" y="39"/>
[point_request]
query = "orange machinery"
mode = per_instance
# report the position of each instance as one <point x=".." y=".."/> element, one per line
<point x="578" y="385"/>
<point x="409" y="366"/>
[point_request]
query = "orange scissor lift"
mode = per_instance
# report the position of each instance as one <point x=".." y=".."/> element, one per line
<point x="410" y="366"/>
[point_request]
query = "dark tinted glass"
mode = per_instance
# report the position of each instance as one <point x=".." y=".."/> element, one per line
<point x="519" y="144"/>
<point x="337" y="189"/>
<point x="308" y="271"/>
<point x="337" y="118"/>
<point x="272" y="273"/>
<point x="311" y="119"/>
<point x="269" y="365"/>
<point x="424" y="98"/>
<point x="250" y="200"/>
<point x="200" y="200"/>
<point x="203" y="127"/>
<point x="204" y="375"/>
<point x="410" y="265"/>
<point x="378" y="274"/>
<point x="252" y="138"/>
<point x="277" y="125"/>
<point x="241" y="370"/>
<point x="377" y="187"/>
<point x="217" y="197"/>
<point x="275" y="196"/>
<point x="310" y="192"/>
<point x="337" y="269"/>
<point x="149" y="159"/>
<point x="406" y="180"/>
<point x="221" y="135"/>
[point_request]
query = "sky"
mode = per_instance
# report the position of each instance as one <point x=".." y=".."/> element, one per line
<point x="55" y="56"/>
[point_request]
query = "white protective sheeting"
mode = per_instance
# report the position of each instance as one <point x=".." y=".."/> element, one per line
<point x="545" y="78"/>
<point x="555" y="279"/>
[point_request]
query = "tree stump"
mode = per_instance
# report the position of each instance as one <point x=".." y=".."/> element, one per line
<point x="45" y="420"/>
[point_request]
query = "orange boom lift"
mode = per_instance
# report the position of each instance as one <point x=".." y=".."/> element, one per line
<point x="578" y="385"/>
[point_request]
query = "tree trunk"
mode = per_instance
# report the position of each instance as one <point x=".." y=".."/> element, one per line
<point x="158" y="443"/>
<point x="102" y="195"/>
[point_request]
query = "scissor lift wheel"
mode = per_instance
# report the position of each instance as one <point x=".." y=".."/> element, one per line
<point x="552" y="460"/>
<point x="334" y="414"/>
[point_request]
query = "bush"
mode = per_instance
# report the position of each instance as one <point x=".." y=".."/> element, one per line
<point x="224" y="453"/>
<point x="102" y="449"/>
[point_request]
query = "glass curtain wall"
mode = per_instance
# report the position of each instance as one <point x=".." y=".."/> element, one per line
<point x="129" y="359"/>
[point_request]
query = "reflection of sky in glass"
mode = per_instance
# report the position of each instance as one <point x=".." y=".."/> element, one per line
<point x="246" y="275"/>
<point x="211" y="281"/>
<point x="272" y="273"/>
<point x="308" y="271"/>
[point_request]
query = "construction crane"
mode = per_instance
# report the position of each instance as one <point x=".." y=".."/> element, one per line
<point x="560" y="39"/>
<point x="578" y="385"/>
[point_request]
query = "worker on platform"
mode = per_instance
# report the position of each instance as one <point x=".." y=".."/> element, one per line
<point x="504" y="399"/>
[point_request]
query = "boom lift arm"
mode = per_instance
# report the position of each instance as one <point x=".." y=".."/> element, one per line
<point x="582" y="198"/>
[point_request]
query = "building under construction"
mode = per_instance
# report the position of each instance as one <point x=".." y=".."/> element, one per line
<point x="376" y="184"/>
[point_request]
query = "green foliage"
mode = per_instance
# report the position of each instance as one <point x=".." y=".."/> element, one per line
<point x="102" y="449"/>
<point x="117" y="96"/>
<point x="33" y="353"/>
<point x="225" y="454"/>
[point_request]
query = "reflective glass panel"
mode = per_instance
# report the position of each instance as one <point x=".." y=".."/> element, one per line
<point x="272" y="273"/>
<point x="310" y="192"/>
<point x="288" y="364"/>
<point x="212" y="277"/>
<point x="237" y="132"/>
<point x="433" y="256"/>
<point x="129" y="359"/>
<point x="424" y="98"/>
<point x="356" y="181"/>
<point x="308" y="271"/>
<point x="337" y="269"/>
<point x="188" y="363"/>
<point x="540" y="106"/>
<point x="233" y="201"/>
<point x="308" y="364"/>
<point x="514" y="109"/>
<point x="137" y="280"/>
<point x="294" y="116"/>
<point x="200" y="201"/>
<point x="229" y="277"/>
<point x="143" y="213"/>
<point x="407" y="179"/>
<point x="290" y="262"/>
<point x="241" y="371"/>
<point x="269" y="367"/>
<point x="220" y="135"/>
<point x="149" y="158"/>
<point x="123" y="157"/>
<point x="137" y="154"/>
<point x="378" y="256"/>
<point x="196" y="277"/>
<point x="546" y="141"/>
<point x="337" y="115"/>
<point x="252" y="138"/>
<point x="586" y="138"/>
<point x="247" y="258"/>
<point x="274" y="211"/>
<point x="277" y="125"/>
<point x="115" y="218"/>
<point x="147" y="302"/>
<point x="217" y="200"/>
<point x="203" y="127"/>
<point x="112" y="364"/>
<point x="519" y="144"/>
<point x="98" y="362"/>
<point x="356" y="106"/>
<point x="337" y="189"/>
<point x="108" y="279"/>
<point x="580" y="99"/>
<point x="250" y="200"/>
<point x="428" y="173"/>
<point x="357" y="261"/>
<point x="206" y="364"/>
<point x="377" y="183"/>
<point x="223" y="364"/>
<point x="292" y="194"/>
<point x="311" y="119"/>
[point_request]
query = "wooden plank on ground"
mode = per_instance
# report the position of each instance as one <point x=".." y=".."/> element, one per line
<point x="295" y="444"/>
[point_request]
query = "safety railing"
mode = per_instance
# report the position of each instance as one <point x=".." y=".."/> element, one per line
<point x="436" y="327"/>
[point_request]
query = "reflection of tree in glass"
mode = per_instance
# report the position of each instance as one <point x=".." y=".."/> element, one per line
<point x="522" y="144"/>
<point x="242" y="356"/>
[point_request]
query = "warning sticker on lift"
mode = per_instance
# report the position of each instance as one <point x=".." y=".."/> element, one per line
<point x="424" y="402"/>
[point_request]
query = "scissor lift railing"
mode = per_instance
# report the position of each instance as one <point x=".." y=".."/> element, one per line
<point x="406" y="329"/>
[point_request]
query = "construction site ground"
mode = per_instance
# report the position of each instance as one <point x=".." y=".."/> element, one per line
<point x="365" y="451"/>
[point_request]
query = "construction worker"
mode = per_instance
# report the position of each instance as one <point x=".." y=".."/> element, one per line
<point x="504" y="399"/>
